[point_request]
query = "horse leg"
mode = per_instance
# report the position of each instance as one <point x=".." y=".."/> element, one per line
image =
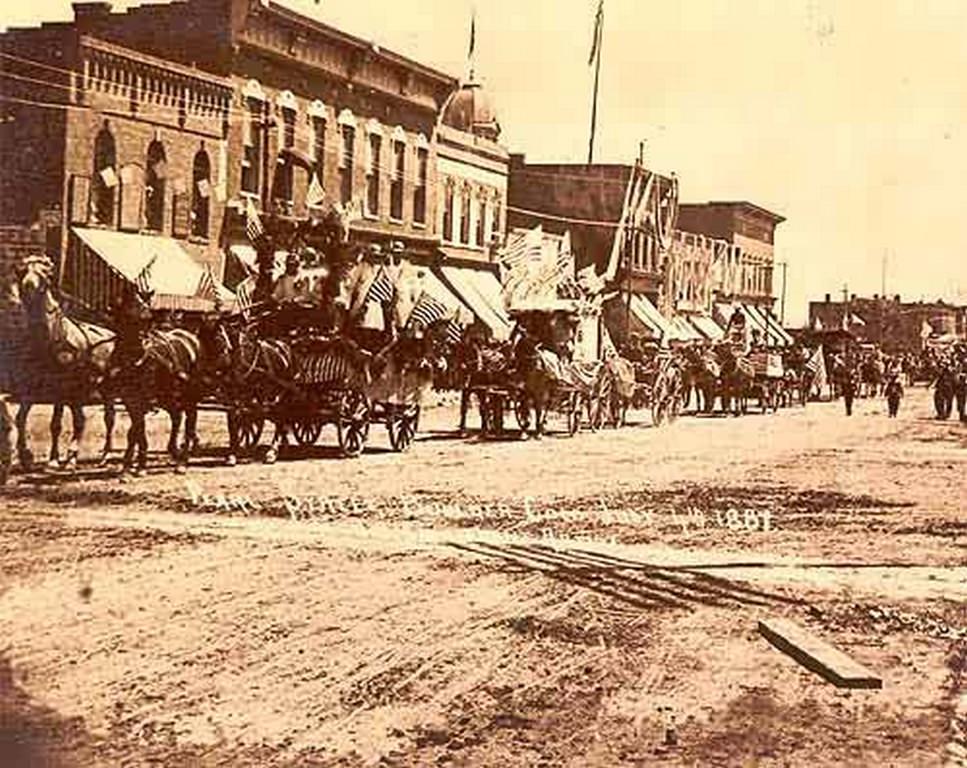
<point x="131" y="438"/>
<point x="109" y="418"/>
<point x="142" y="436"/>
<point x="232" y="459"/>
<point x="191" y="438"/>
<point x="78" y="421"/>
<point x="175" y="413"/>
<point x="6" y="448"/>
<point x="279" y="438"/>
<point x="464" y="407"/>
<point x="56" y="425"/>
<point x="24" y="455"/>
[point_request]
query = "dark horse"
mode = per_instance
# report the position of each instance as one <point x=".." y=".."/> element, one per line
<point x="946" y="388"/>
<point x="737" y="379"/>
<point x="701" y="373"/>
<point x="155" y="368"/>
<point x="63" y="361"/>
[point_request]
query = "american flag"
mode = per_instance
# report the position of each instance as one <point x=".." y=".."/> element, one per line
<point x="253" y="223"/>
<point x="243" y="294"/>
<point x="816" y="365"/>
<point x="428" y="310"/>
<point x="143" y="281"/>
<point x="316" y="195"/>
<point x="381" y="291"/>
<point x="521" y="247"/>
<point x="206" y="285"/>
<point x="453" y="333"/>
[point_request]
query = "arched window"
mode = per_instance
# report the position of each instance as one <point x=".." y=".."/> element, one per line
<point x="154" y="190"/>
<point x="200" y="194"/>
<point x="105" y="177"/>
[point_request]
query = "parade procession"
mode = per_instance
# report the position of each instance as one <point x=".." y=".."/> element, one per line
<point x="270" y="291"/>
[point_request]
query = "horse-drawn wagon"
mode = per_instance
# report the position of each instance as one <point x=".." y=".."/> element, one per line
<point x="646" y="378"/>
<point x="768" y="379"/>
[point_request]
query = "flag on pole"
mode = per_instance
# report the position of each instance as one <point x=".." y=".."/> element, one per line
<point x="428" y="310"/>
<point x="253" y="224"/>
<point x="598" y="27"/>
<point x="816" y="365"/>
<point x="316" y="195"/>
<point x="381" y="291"/>
<point x="243" y="294"/>
<point x="143" y="281"/>
<point x="206" y="285"/>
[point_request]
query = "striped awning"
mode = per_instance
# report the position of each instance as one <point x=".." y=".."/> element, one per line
<point x="480" y="290"/>
<point x="707" y="327"/>
<point x="649" y="315"/>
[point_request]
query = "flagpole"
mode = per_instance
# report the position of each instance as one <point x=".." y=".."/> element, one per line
<point x="598" y="30"/>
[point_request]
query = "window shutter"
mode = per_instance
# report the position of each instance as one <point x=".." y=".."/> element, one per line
<point x="132" y="197"/>
<point x="182" y="215"/>
<point x="80" y="196"/>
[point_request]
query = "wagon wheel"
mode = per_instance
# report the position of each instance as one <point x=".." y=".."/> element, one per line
<point x="352" y="426"/>
<point x="573" y="414"/>
<point x="674" y="406"/>
<point x="402" y="427"/>
<point x="307" y="430"/>
<point x="250" y="427"/>
<point x="522" y="412"/>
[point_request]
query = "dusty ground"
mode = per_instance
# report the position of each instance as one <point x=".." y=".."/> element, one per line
<point x="567" y="602"/>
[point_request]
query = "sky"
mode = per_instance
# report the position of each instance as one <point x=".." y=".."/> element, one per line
<point x="848" y="117"/>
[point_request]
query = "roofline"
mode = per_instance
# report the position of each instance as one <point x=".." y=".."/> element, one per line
<point x="395" y="58"/>
<point x="97" y="43"/>
<point x="737" y="204"/>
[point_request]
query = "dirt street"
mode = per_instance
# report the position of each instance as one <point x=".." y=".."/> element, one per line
<point x="590" y="601"/>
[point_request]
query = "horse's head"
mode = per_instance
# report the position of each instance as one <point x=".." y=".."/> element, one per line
<point x="33" y="290"/>
<point x="218" y="338"/>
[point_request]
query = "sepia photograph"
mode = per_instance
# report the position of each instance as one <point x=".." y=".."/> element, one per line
<point x="539" y="383"/>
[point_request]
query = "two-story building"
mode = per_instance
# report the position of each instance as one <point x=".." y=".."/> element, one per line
<point x="621" y="220"/>
<point x="737" y="239"/>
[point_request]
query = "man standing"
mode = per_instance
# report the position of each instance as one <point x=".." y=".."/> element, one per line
<point x="894" y="393"/>
<point x="849" y="388"/>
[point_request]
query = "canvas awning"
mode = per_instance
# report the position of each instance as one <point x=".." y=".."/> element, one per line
<point x="781" y="335"/>
<point x="174" y="275"/>
<point x="649" y="315"/>
<point x="480" y="290"/>
<point x="682" y="330"/>
<point x="707" y="327"/>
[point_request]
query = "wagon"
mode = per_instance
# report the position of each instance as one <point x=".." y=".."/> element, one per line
<point x="657" y="385"/>
<point x="769" y="379"/>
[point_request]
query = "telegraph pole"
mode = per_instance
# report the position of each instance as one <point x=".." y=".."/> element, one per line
<point x="782" y="301"/>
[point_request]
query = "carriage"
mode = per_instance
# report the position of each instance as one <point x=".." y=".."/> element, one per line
<point x="768" y="379"/>
<point x="648" y="380"/>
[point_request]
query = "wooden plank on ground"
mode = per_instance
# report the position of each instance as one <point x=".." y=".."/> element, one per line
<point x="817" y="655"/>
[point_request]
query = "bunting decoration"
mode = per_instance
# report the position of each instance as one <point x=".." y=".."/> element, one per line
<point x="253" y="223"/>
<point x="316" y="195"/>
<point x="206" y="285"/>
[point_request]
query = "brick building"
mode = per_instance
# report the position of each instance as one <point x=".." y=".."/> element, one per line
<point x="173" y="117"/>
<point x="621" y="220"/>
<point x="890" y="322"/>
<point x="729" y="254"/>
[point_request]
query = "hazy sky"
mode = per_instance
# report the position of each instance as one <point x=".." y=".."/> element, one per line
<point x="845" y="116"/>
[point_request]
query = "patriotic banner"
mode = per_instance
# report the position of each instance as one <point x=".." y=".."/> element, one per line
<point x="243" y="294"/>
<point x="816" y="365"/>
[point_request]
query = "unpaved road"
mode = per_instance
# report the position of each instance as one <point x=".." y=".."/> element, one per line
<point x="496" y="603"/>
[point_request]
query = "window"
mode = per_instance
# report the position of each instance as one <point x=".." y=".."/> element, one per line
<point x="319" y="145"/>
<point x="465" y="203"/>
<point x="105" y="178"/>
<point x="372" y="174"/>
<point x="200" y="194"/>
<point x="154" y="189"/>
<point x="252" y="138"/>
<point x="481" y="221"/>
<point x="447" y="233"/>
<point x="498" y="230"/>
<point x="346" y="153"/>
<point x="396" y="185"/>
<point x="419" y="190"/>
<point x="282" y="186"/>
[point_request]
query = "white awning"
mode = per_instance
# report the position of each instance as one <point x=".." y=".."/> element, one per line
<point x="174" y="275"/>
<point x="480" y="290"/>
<point x="708" y="327"/>
<point x="779" y="333"/>
<point x="682" y="330"/>
<point x="647" y="313"/>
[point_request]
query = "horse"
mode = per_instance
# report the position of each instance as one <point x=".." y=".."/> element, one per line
<point x="702" y="372"/>
<point x="872" y="371"/>
<point x="737" y="379"/>
<point x="945" y="390"/>
<point x="155" y="368"/>
<point x="63" y="360"/>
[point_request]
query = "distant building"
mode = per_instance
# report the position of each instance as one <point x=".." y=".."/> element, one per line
<point x="891" y="323"/>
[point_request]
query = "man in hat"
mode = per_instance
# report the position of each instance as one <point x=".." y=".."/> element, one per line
<point x="286" y="288"/>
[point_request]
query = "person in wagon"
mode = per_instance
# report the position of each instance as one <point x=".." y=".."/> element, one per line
<point x="286" y="289"/>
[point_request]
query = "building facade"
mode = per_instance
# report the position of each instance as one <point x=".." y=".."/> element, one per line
<point x="891" y="323"/>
